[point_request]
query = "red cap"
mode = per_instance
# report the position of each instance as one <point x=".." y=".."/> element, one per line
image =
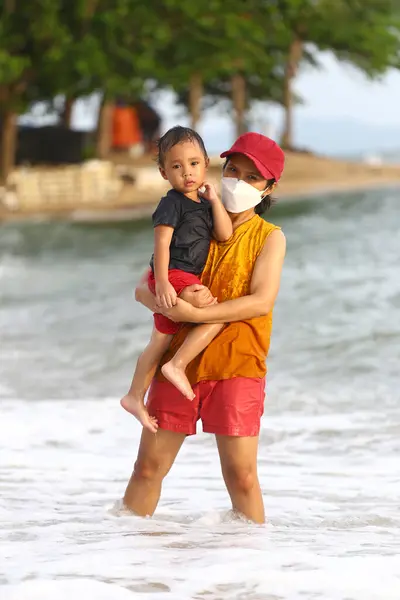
<point x="267" y="156"/>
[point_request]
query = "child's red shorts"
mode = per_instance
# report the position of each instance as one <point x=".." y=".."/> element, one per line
<point x="179" y="280"/>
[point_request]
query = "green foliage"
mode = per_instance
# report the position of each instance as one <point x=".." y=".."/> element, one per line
<point x="367" y="35"/>
<point x="363" y="32"/>
<point x="74" y="47"/>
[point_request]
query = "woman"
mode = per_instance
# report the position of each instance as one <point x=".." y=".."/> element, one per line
<point x="228" y="378"/>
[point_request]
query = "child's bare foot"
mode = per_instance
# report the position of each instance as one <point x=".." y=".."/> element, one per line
<point x="178" y="378"/>
<point x="136" y="407"/>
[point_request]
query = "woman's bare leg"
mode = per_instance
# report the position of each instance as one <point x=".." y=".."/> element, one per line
<point x="146" y="367"/>
<point x="238" y="456"/>
<point x="157" y="453"/>
<point x="196" y="341"/>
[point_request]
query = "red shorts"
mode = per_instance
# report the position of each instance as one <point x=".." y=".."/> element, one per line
<point x="179" y="280"/>
<point x="226" y="407"/>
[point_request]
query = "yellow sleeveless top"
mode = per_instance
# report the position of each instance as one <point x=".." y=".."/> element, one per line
<point x="240" y="350"/>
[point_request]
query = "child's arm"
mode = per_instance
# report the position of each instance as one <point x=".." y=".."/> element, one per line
<point x="165" y="293"/>
<point x="165" y="219"/>
<point x="222" y="230"/>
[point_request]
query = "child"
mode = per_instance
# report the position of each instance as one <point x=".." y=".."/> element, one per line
<point x="184" y="222"/>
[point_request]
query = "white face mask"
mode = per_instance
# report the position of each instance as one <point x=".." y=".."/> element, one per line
<point x="238" y="196"/>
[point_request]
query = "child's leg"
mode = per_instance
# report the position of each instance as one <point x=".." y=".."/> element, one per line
<point x="146" y="367"/>
<point x="195" y="342"/>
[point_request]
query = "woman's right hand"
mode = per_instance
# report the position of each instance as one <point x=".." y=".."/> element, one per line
<point x="198" y="295"/>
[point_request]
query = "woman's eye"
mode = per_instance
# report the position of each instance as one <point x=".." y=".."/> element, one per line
<point x="194" y="163"/>
<point x="232" y="169"/>
<point x="253" y="178"/>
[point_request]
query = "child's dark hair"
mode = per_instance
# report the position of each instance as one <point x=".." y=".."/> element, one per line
<point x="177" y="135"/>
<point x="267" y="201"/>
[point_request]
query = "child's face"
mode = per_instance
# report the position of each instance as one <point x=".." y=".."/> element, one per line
<point x="185" y="167"/>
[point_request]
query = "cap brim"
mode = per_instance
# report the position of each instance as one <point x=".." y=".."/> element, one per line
<point x="259" y="166"/>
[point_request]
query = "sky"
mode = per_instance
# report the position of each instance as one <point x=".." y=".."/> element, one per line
<point x="336" y="92"/>
<point x="340" y="90"/>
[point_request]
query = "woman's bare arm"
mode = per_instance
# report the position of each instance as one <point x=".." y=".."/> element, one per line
<point x="197" y="295"/>
<point x="263" y="292"/>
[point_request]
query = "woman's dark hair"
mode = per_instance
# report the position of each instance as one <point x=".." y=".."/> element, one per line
<point x="177" y="135"/>
<point x="267" y="201"/>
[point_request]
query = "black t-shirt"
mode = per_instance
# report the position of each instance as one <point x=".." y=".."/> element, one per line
<point x="192" y="223"/>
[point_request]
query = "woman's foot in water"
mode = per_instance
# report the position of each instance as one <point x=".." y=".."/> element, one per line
<point x="136" y="407"/>
<point x="177" y="377"/>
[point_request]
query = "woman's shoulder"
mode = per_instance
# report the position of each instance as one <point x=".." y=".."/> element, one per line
<point x="267" y="235"/>
<point x="265" y="227"/>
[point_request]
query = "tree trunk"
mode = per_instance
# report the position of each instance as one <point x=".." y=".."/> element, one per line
<point x="91" y="6"/>
<point x="239" y="103"/>
<point x="104" y="130"/>
<point x="292" y="65"/>
<point x="195" y="97"/>
<point x="9" y="6"/>
<point x="67" y="112"/>
<point x="8" y="143"/>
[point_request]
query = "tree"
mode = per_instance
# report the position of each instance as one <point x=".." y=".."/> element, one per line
<point x="35" y="45"/>
<point x="218" y="43"/>
<point x="362" y="32"/>
<point x="369" y="35"/>
<point x="72" y="47"/>
<point x="217" y="49"/>
<point x="23" y="36"/>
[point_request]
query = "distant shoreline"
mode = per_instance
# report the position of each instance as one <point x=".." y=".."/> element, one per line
<point x="143" y="211"/>
<point x="107" y="194"/>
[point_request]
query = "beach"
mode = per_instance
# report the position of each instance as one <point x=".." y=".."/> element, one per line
<point x="329" y="445"/>
<point x="122" y="189"/>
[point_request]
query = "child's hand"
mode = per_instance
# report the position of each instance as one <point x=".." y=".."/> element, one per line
<point x="203" y="298"/>
<point x="208" y="192"/>
<point x="198" y="296"/>
<point x="165" y="294"/>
